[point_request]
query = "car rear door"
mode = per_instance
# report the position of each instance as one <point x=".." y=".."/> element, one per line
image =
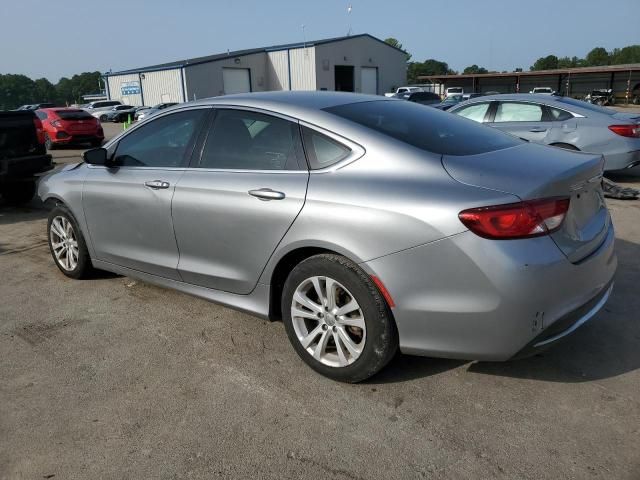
<point x="522" y="119"/>
<point x="238" y="199"/>
<point x="128" y="207"/>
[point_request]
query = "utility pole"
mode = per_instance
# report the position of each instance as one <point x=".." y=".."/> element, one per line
<point x="349" y="15"/>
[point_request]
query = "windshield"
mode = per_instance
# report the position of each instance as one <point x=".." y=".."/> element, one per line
<point x="73" y="114"/>
<point x="586" y="105"/>
<point x="427" y="128"/>
<point x="454" y="90"/>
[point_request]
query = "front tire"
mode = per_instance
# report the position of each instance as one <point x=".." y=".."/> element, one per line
<point x="67" y="245"/>
<point x="337" y="320"/>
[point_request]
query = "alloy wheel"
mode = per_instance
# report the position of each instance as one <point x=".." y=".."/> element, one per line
<point x="328" y="321"/>
<point x="64" y="243"/>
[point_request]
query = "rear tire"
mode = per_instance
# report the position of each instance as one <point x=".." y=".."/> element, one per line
<point x="103" y="118"/>
<point x="346" y="332"/>
<point x="18" y="193"/>
<point x="67" y="245"/>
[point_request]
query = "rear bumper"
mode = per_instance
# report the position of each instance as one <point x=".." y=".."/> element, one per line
<point x="77" y="138"/>
<point x="621" y="161"/>
<point x="470" y="298"/>
<point x="566" y="325"/>
<point x="23" y="167"/>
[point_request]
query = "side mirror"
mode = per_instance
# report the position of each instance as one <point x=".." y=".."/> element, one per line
<point x="95" y="156"/>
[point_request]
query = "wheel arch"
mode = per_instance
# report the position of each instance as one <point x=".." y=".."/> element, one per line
<point x="283" y="266"/>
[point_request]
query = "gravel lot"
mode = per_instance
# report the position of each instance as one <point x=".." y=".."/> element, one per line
<point x="114" y="378"/>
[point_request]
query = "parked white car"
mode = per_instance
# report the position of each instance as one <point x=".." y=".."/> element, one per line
<point x="101" y="106"/>
<point x="543" y="90"/>
<point x="102" y="113"/>
<point x="403" y="90"/>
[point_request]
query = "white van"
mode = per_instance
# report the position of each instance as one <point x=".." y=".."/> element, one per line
<point x="453" y="91"/>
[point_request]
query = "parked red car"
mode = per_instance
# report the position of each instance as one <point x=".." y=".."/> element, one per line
<point x="64" y="126"/>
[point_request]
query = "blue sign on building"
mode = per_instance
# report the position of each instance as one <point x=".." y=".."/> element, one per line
<point x="130" y="88"/>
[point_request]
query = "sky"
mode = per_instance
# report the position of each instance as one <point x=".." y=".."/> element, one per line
<point x="41" y="38"/>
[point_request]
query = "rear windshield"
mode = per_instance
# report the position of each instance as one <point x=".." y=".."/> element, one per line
<point x="586" y="105"/>
<point x="73" y="114"/>
<point x="426" y="127"/>
<point x="454" y="90"/>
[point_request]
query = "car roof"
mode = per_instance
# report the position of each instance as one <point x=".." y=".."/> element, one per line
<point x="297" y="104"/>
<point x="526" y="97"/>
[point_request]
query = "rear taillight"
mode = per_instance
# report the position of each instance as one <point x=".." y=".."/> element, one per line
<point x="39" y="130"/>
<point x="628" y="130"/>
<point x="532" y="218"/>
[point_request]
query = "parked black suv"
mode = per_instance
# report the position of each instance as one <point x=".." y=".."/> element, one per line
<point x="22" y="155"/>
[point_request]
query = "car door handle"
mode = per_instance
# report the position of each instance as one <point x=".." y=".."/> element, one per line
<point x="266" y="194"/>
<point x="538" y="129"/>
<point x="156" y="184"/>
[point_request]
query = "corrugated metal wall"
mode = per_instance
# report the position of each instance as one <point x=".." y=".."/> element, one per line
<point x="278" y="70"/>
<point x="303" y="68"/>
<point x="161" y="87"/>
<point x="115" y="89"/>
<point x="361" y="52"/>
<point x="205" y="80"/>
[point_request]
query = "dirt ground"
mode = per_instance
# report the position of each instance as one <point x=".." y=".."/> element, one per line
<point x="116" y="379"/>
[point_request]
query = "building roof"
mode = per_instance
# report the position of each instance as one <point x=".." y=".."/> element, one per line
<point x="250" y="51"/>
<point x="536" y="73"/>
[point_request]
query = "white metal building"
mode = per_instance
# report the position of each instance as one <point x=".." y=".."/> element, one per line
<point x="358" y="63"/>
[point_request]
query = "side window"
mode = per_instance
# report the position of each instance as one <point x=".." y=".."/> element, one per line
<point x="518" y="112"/>
<point x="558" y="115"/>
<point x="162" y="142"/>
<point x="243" y="140"/>
<point x="321" y="150"/>
<point x="475" y="112"/>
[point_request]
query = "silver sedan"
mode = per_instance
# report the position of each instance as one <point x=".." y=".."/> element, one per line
<point x="365" y="224"/>
<point x="561" y="122"/>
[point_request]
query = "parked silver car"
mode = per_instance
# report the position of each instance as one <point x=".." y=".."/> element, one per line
<point x="561" y="122"/>
<point x="366" y="224"/>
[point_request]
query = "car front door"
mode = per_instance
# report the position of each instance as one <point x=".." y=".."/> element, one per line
<point x="238" y="199"/>
<point x="524" y="120"/>
<point x="128" y="206"/>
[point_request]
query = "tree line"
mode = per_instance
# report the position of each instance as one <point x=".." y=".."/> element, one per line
<point x="597" y="57"/>
<point x="16" y="90"/>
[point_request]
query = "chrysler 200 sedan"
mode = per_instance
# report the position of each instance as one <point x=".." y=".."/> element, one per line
<point x="366" y="224"/>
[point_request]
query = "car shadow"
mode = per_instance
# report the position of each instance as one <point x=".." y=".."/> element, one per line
<point x="33" y="210"/>
<point x="605" y="347"/>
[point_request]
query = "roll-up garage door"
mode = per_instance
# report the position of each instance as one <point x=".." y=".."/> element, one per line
<point x="236" y="80"/>
<point x="369" y="80"/>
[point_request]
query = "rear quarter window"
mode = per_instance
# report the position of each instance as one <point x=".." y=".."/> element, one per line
<point x="425" y="127"/>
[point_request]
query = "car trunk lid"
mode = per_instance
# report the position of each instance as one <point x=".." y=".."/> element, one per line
<point x="533" y="171"/>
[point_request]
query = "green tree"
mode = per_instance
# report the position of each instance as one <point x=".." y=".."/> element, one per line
<point x="44" y="91"/>
<point x="597" y="57"/>
<point x="630" y="54"/>
<point x="15" y="90"/>
<point x="550" y="62"/>
<point x="573" y="62"/>
<point x="70" y="90"/>
<point x="472" y="69"/>
<point x="394" y="42"/>
<point x="426" y="68"/>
